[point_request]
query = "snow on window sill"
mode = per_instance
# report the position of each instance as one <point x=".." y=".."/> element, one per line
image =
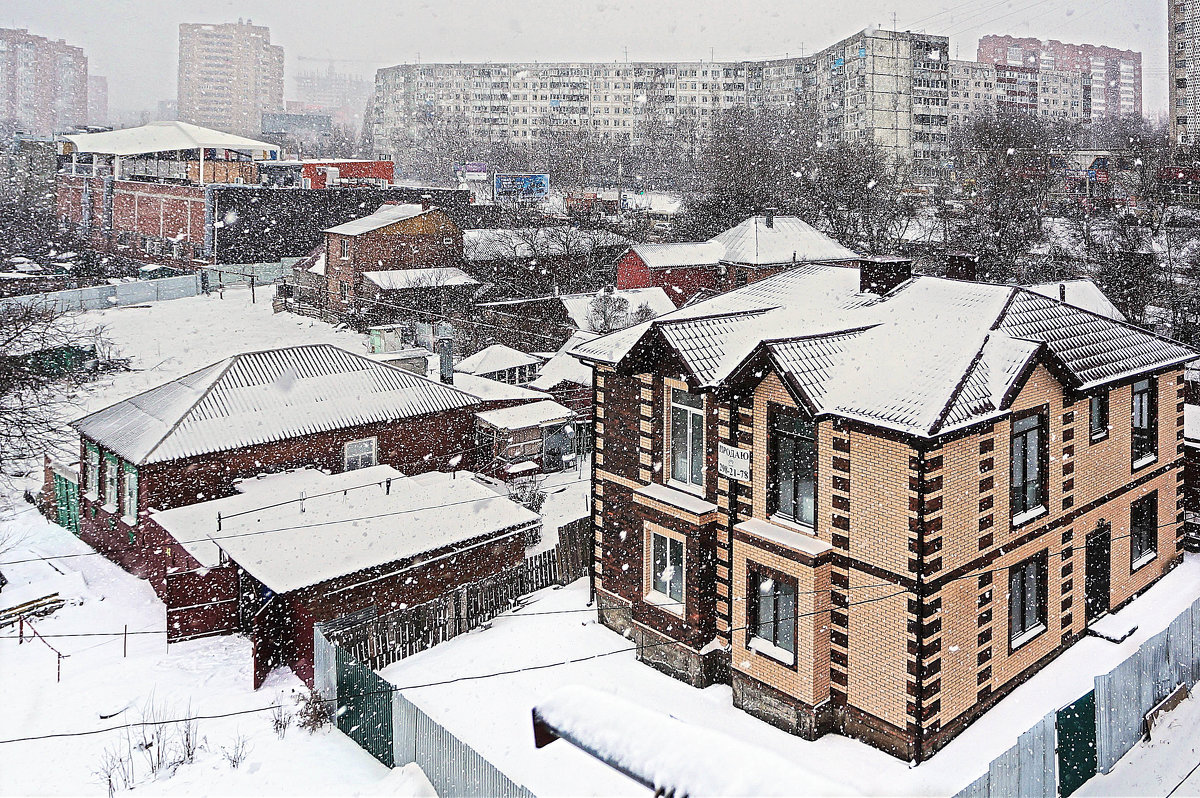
<point x="92" y="496"/>
<point x="664" y="602"/>
<point x="789" y="523"/>
<point x="1144" y="461"/>
<point x="772" y="651"/>
<point x="1029" y="515"/>
<point x="128" y="521"/>
<point x="686" y="486"/>
<point x="1026" y="636"/>
<point x="1144" y="560"/>
<point x="108" y="508"/>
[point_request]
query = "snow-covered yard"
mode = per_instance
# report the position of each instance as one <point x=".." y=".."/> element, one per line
<point x="494" y="714"/>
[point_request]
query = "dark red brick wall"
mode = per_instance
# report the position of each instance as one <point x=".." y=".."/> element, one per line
<point x="681" y="284"/>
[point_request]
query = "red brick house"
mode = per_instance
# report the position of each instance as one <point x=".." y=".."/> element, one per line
<point x="191" y="439"/>
<point x="875" y="503"/>
<point x="753" y="250"/>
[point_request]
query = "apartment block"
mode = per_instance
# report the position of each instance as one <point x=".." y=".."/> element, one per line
<point x="229" y="74"/>
<point x="1112" y="78"/>
<point x="1053" y="94"/>
<point x="97" y="101"/>
<point x="880" y="545"/>
<point x="1183" y="39"/>
<point x="43" y="83"/>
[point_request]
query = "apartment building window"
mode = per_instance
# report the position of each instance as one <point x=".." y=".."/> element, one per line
<point x="1145" y="423"/>
<point x="1027" y="600"/>
<point x="666" y="562"/>
<point x="1028" y="485"/>
<point x="345" y="249"/>
<point x="1098" y="414"/>
<point x="1143" y="531"/>
<point x="359" y="454"/>
<point x="687" y="438"/>
<point x="792" y="467"/>
<point x="771" y="607"/>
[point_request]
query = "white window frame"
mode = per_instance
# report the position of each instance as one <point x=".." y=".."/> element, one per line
<point x="357" y="458"/>
<point x="687" y="483"/>
<point x="345" y="249"/>
<point x="112" y="488"/>
<point x="129" y="493"/>
<point x="92" y="474"/>
<point x="673" y="604"/>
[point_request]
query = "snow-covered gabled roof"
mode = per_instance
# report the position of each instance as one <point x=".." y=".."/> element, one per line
<point x="579" y="306"/>
<point x="347" y="522"/>
<point x="667" y="256"/>
<point x="493" y="390"/>
<point x="261" y="397"/>
<point x="1082" y="293"/>
<point x="559" y="369"/>
<point x="164" y="137"/>
<point x="789" y="238"/>
<point x="536" y="414"/>
<point x="387" y="214"/>
<point x="496" y="357"/>
<point x="929" y="356"/>
<point x="404" y="279"/>
<point x="531" y="242"/>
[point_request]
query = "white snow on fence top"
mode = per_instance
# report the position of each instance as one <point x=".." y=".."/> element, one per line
<point x="493" y="390"/>
<point x="675" y="757"/>
<point x="535" y="242"/>
<point x="496" y="357"/>
<point x="579" y="306"/>
<point x="789" y="238"/>
<point x="1082" y="293"/>
<point x="666" y="256"/>
<point x="348" y="522"/>
<point x="534" y="414"/>
<point x="387" y="214"/>
<point x="260" y="397"/>
<point x="405" y="279"/>
<point x="931" y="356"/>
<point x="163" y="137"/>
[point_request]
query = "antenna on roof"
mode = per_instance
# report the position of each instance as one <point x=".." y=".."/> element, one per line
<point x="303" y="496"/>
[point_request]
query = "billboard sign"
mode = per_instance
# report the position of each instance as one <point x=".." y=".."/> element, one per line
<point x="521" y="187"/>
<point x="475" y="170"/>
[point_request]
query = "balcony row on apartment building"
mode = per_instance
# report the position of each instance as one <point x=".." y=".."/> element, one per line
<point x="875" y="502"/>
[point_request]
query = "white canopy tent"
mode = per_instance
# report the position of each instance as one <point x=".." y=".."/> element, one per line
<point x="166" y="137"/>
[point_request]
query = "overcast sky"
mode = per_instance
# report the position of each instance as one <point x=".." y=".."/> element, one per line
<point x="135" y="42"/>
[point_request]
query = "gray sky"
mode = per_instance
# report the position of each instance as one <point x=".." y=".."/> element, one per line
<point x="135" y="42"/>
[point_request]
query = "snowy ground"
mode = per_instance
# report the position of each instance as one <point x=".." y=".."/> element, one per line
<point x="1163" y="764"/>
<point x="493" y="714"/>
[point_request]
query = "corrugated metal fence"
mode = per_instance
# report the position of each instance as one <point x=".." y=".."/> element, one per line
<point x="1036" y="765"/>
<point x="99" y="297"/>
<point x="452" y="767"/>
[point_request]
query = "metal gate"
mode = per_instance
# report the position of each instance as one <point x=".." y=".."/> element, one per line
<point x="364" y="707"/>
<point x="66" y="503"/>
<point x="1076" y="723"/>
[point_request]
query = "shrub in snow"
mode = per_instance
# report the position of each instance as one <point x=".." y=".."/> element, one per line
<point x="280" y="718"/>
<point x="236" y="753"/>
<point x="314" y="711"/>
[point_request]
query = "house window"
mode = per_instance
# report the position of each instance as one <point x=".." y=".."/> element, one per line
<point x="359" y="454"/>
<point x="1143" y="531"/>
<point x="343" y="290"/>
<point x="1145" y="423"/>
<point x="129" y="496"/>
<point x="666" y="578"/>
<point x="1027" y="600"/>
<point x="91" y="475"/>
<point x="345" y="248"/>
<point x="110" y="482"/>
<point x="792" y="468"/>
<point x="1098" y="413"/>
<point x="1028" y="489"/>
<point x="772" y="616"/>
<point x="687" y="438"/>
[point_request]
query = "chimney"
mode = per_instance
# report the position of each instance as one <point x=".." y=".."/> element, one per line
<point x="1062" y="292"/>
<point x="962" y="266"/>
<point x="426" y="200"/>
<point x="444" y="344"/>
<point x="879" y="274"/>
<point x="769" y="216"/>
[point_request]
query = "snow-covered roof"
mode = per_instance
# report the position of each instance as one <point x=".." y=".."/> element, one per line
<point x="1082" y="293"/>
<point x="565" y="367"/>
<point x="387" y="214"/>
<point x="667" y="256"/>
<point x="260" y="397"/>
<point x="347" y="522"/>
<point x="789" y="238"/>
<point x="403" y="279"/>
<point x="318" y="264"/>
<point x="493" y="390"/>
<point x="496" y="357"/>
<point x="1191" y="424"/>
<point x="535" y="414"/>
<point x="579" y="306"/>
<point x="530" y="242"/>
<point x="930" y="356"/>
<point x="163" y="137"/>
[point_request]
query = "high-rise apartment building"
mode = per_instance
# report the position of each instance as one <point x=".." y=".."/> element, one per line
<point x="43" y="83"/>
<point x="229" y="75"/>
<point x="1112" y="78"/>
<point x="1183" y="39"/>
<point x="97" y="101"/>
<point x="342" y="96"/>
<point x="1052" y="94"/>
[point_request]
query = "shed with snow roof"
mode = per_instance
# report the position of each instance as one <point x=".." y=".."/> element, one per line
<point x="542" y="433"/>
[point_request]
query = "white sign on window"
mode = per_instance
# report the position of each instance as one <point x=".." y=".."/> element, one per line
<point x="733" y="463"/>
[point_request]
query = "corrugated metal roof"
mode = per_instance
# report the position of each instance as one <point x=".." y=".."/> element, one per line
<point x="787" y="239"/>
<point x="403" y="279"/>
<point x="1082" y="293"/>
<point x="496" y="357"/>
<point x="260" y="397"/>
<point x="387" y="214"/>
<point x="666" y="256"/>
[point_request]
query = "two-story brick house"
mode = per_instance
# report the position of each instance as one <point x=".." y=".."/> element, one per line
<point x="875" y="503"/>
